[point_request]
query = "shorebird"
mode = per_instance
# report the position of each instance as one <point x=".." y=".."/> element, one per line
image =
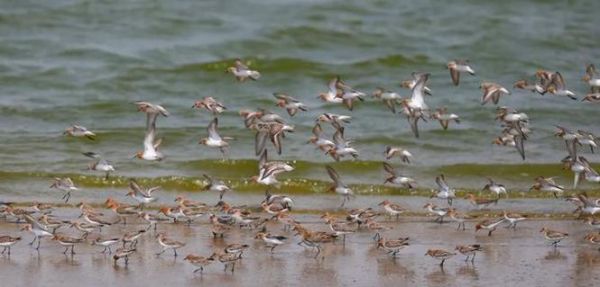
<point x="84" y="228"/>
<point x="588" y="206"/>
<point x="214" y="139"/>
<point x="557" y="87"/>
<point x="592" y="98"/>
<point x="340" y="227"/>
<point x="548" y="185"/>
<point x="122" y="210"/>
<point x="389" y="98"/>
<point x="168" y="243"/>
<point x="123" y="252"/>
<point x="553" y="236"/>
<point x="313" y="239"/>
<point x="489" y="224"/>
<point x="440" y="254"/>
<point x="495" y="187"/>
<point x="50" y="223"/>
<point x="318" y="140"/>
<point x="216" y="185"/>
<point x="79" y="131"/>
<point x="274" y="131"/>
<point x="188" y="203"/>
<point x="290" y="104"/>
<point x="271" y="240"/>
<point x="151" y="145"/>
<point x="410" y="84"/>
<point x="39" y="230"/>
<point x="210" y="104"/>
<point x="348" y="94"/>
<point x="342" y="146"/>
<point x="340" y="120"/>
<point x="392" y="246"/>
<point x="458" y="66"/>
<point x="338" y="186"/>
<point x="106" y="243"/>
<point x="591" y="78"/>
<point x="242" y="72"/>
<point x="492" y="92"/>
<point x="67" y="242"/>
<point x="439" y="211"/>
<point x="236" y="249"/>
<point x="218" y="228"/>
<point x="66" y="185"/>
<point x="403" y="154"/>
<point x="142" y="195"/>
<point x="99" y="164"/>
<point x="444" y="191"/>
<point x="513" y="219"/>
<point x="593" y="238"/>
<point x="413" y="115"/>
<point x="132" y="237"/>
<point x="469" y="251"/>
<point x="152" y="219"/>
<point x="481" y="203"/>
<point x="268" y="170"/>
<point x="392" y="209"/>
<point x="545" y="79"/>
<point x="458" y="217"/>
<point x="199" y="261"/>
<point x="524" y="85"/>
<point x="417" y="100"/>
<point x="444" y="117"/>
<point x="228" y="259"/>
<point x="7" y="241"/>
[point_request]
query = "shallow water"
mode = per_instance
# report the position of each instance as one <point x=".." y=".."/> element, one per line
<point x="516" y="258"/>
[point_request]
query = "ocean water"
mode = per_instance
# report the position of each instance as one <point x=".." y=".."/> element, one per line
<point x="86" y="62"/>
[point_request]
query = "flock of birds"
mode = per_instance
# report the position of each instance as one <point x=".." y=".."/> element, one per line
<point x="273" y="128"/>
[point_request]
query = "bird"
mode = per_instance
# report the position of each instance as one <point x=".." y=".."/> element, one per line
<point x="272" y="240"/>
<point x="123" y="253"/>
<point x="242" y="72"/>
<point x="403" y="154"/>
<point x="142" y="195"/>
<point x="66" y="185"/>
<point x="459" y="66"/>
<point x="489" y="224"/>
<point x="79" y="131"/>
<point x="492" y="92"/>
<point x="392" y="209"/>
<point x="440" y="254"/>
<point x="444" y="117"/>
<point x="318" y="140"/>
<point x="99" y="164"/>
<point x="67" y="241"/>
<point x="211" y="105"/>
<point x="7" y="241"/>
<point x="268" y="170"/>
<point x="557" y="87"/>
<point x="151" y="144"/>
<point x="342" y="146"/>
<point x="591" y="78"/>
<point x="494" y="187"/>
<point x="214" y="139"/>
<point x="168" y="243"/>
<point x="392" y="246"/>
<point x="396" y="178"/>
<point x="439" y="211"/>
<point x="524" y="85"/>
<point x="199" y="261"/>
<point x="106" y="243"/>
<point x="216" y="185"/>
<point x="469" y="251"/>
<point x="444" y="191"/>
<point x="409" y="84"/>
<point x="290" y="104"/>
<point x="338" y="186"/>
<point x="513" y="219"/>
<point x="553" y="236"/>
<point x="389" y="98"/>
<point x="547" y="184"/>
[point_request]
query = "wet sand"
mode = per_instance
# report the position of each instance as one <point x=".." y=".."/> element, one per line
<point x="510" y="258"/>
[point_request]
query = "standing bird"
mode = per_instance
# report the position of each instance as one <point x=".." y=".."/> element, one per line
<point x="66" y="185"/>
<point x="168" y="243"/>
<point x="271" y="240"/>
<point x="548" y="185"/>
<point x="459" y="66"/>
<point x="489" y="224"/>
<point x="214" y="139"/>
<point x="494" y="187"/>
<point x="553" y="236"/>
<point x="199" y="261"/>
<point x="469" y="250"/>
<point x="99" y="164"/>
<point x="338" y="186"/>
<point x="440" y="254"/>
<point x="242" y="72"/>
<point x="7" y="241"/>
<point x="123" y="253"/>
<point x="151" y="145"/>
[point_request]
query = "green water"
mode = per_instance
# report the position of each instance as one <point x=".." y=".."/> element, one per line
<point x="64" y="62"/>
